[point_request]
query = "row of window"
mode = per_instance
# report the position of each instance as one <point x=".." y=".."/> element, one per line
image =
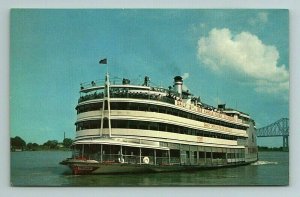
<point x="166" y="99"/>
<point x="145" y="125"/>
<point x="91" y="96"/>
<point x="154" y="108"/>
<point x="217" y="155"/>
<point x="113" y="149"/>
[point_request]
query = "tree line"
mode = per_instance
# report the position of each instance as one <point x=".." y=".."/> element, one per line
<point x="265" y="148"/>
<point x="18" y="144"/>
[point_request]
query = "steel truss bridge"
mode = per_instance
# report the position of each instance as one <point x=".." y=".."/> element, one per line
<point x="278" y="128"/>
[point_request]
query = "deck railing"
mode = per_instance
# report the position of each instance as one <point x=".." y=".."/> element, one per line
<point x="136" y="159"/>
<point x="130" y="159"/>
<point x="128" y="95"/>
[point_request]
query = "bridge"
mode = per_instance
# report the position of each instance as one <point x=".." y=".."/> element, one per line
<point x="278" y="128"/>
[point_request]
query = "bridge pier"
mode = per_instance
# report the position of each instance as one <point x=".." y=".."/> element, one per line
<point x="285" y="142"/>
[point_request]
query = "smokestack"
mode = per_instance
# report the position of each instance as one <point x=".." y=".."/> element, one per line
<point x="178" y="85"/>
<point x="146" y="81"/>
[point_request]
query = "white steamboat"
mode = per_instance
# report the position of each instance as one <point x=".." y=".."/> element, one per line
<point x="124" y="128"/>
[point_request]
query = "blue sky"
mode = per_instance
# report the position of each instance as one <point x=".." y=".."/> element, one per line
<point x="237" y="57"/>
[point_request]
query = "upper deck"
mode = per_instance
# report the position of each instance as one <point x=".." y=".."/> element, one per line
<point x="180" y="99"/>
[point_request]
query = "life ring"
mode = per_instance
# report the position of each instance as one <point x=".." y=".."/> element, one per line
<point x="146" y="160"/>
<point x="121" y="160"/>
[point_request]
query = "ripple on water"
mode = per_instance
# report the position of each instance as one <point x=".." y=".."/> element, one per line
<point x="258" y="163"/>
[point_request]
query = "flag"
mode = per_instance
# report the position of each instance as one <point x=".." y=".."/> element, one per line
<point x="103" y="61"/>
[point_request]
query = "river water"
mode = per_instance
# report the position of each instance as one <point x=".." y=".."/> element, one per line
<point x="41" y="168"/>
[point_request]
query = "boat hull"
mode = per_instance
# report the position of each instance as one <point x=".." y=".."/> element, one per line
<point x="84" y="167"/>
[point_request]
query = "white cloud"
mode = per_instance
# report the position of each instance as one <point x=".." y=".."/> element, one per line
<point x="260" y="18"/>
<point x="184" y="77"/>
<point x="244" y="53"/>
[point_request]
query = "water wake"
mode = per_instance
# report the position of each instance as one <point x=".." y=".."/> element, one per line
<point x="258" y="163"/>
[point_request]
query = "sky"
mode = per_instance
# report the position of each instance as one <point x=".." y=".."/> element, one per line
<point x="237" y="57"/>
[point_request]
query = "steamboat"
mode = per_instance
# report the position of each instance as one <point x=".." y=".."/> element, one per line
<point x="123" y="128"/>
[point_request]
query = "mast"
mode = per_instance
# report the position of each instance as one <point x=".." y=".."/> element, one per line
<point x="102" y="117"/>
<point x="108" y="101"/>
<point x="106" y="98"/>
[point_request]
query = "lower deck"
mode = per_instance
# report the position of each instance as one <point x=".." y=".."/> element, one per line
<point x="183" y="155"/>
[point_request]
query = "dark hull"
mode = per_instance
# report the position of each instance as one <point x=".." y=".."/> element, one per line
<point x="84" y="167"/>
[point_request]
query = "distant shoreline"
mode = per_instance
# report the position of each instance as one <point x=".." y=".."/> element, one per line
<point x="274" y="149"/>
<point x="50" y="150"/>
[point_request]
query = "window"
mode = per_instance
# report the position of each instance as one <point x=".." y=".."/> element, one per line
<point x="143" y="107"/>
<point x="162" y="127"/>
<point x="175" y="112"/>
<point x="143" y="125"/>
<point x="105" y="123"/>
<point x="208" y="154"/>
<point x="133" y="124"/>
<point x="162" y="109"/>
<point x="169" y="111"/>
<point x="187" y="154"/>
<point x="195" y="154"/>
<point x="153" y="126"/>
<point x="153" y="108"/>
<point x="201" y="154"/>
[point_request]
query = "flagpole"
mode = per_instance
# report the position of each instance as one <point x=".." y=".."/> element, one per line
<point x="103" y="107"/>
<point x="108" y="103"/>
<point x="102" y="117"/>
<point x="106" y="98"/>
